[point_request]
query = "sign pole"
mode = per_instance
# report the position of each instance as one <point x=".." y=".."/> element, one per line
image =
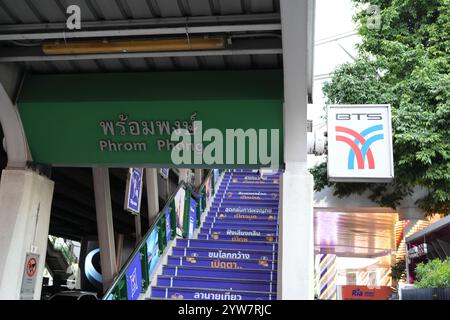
<point x="137" y="224"/>
<point x="151" y="178"/>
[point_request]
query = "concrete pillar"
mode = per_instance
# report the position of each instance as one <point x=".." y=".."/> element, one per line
<point x="105" y="226"/>
<point x="25" y="206"/>
<point x="296" y="245"/>
<point x="137" y="227"/>
<point x="151" y="179"/>
<point x="296" y="248"/>
<point x="198" y="178"/>
<point x="119" y="248"/>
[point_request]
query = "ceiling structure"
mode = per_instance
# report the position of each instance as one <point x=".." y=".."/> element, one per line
<point x="251" y="29"/>
<point x="354" y="234"/>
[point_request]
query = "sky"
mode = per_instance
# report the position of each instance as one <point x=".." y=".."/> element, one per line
<point x="333" y="18"/>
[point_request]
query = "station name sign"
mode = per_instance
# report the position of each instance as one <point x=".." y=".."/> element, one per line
<point x="143" y="119"/>
<point x="360" y="143"/>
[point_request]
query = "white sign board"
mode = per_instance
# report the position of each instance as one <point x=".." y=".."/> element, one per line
<point x="29" y="276"/>
<point x="164" y="172"/>
<point x="360" y="143"/>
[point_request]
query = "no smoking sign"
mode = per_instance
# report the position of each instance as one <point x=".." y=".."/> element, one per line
<point x="31" y="267"/>
<point x="29" y="276"/>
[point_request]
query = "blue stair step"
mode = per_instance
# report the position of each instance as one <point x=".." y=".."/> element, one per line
<point x="218" y="216"/>
<point x="248" y="196"/>
<point x="237" y="217"/>
<point x="254" y="184"/>
<point x="240" y="225"/>
<point x="243" y="205"/>
<point x="203" y="294"/>
<point x="246" y="202"/>
<point x="249" y="220"/>
<point x="256" y="173"/>
<point x="237" y="238"/>
<point x="242" y="254"/>
<point x="224" y="284"/>
<point x="219" y="244"/>
<point x="206" y="272"/>
<point x="250" y="177"/>
<point x="237" y="188"/>
<point x="246" y="186"/>
<point x="238" y="232"/>
<point x="238" y="209"/>
<point x="219" y="213"/>
<point x="222" y="263"/>
<point x="252" y="204"/>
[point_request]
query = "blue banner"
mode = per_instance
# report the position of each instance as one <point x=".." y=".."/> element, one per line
<point x="168" y="225"/>
<point x="134" y="278"/>
<point x="216" y="174"/>
<point x="152" y="251"/>
<point x="192" y="217"/>
<point x="164" y="172"/>
<point x="134" y="190"/>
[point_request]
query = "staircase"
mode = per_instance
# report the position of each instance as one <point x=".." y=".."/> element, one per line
<point x="57" y="261"/>
<point x="235" y="254"/>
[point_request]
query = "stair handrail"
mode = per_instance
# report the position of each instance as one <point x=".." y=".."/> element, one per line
<point x="142" y="242"/>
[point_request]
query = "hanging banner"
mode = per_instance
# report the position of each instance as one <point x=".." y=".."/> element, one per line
<point x="134" y="278"/>
<point x="152" y="251"/>
<point x="208" y="190"/>
<point x="216" y="174"/>
<point x="360" y="143"/>
<point x="192" y="217"/>
<point x="164" y="172"/>
<point x="133" y="193"/>
<point x="168" y="225"/>
<point x="179" y="210"/>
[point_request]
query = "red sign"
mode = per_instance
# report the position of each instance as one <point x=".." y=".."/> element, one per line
<point x="351" y="292"/>
<point x="31" y="267"/>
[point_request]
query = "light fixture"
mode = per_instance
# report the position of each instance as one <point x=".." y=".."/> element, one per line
<point x="139" y="45"/>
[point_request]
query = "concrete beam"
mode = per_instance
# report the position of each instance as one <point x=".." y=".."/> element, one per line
<point x="141" y="32"/>
<point x="134" y="27"/>
<point x="239" y="46"/>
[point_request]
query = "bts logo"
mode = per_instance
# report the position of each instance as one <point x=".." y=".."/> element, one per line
<point x="359" y="144"/>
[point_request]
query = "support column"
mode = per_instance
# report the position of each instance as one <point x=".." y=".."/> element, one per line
<point x="198" y="178"/>
<point x="137" y="226"/>
<point x="105" y="226"/>
<point x="25" y="206"/>
<point x="296" y="247"/>
<point x="151" y="178"/>
<point x="119" y="248"/>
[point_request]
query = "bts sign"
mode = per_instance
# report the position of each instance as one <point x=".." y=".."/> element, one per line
<point x="360" y="143"/>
